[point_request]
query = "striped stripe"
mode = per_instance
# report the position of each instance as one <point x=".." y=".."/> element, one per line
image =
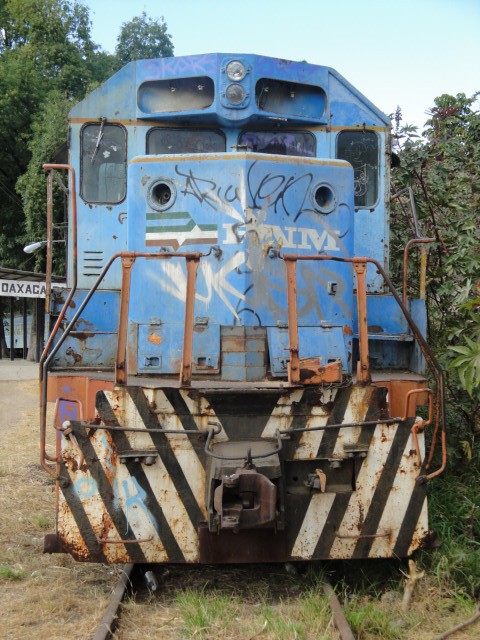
<point x="86" y="538"/>
<point x="185" y="452"/>
<point x="159" y="508"/>
<point x="311" y="536"/>
<point x="355" y="404"/>
<point x="282" y="415"/>
<point x="367" y="472"/>
<point x="396" y="507"/>
<point x="137" y="470"/>
<point x="106" y="492"/>
<point x="313" y="525"/>
<point x="416" y="512"/>
<point x="134" y="485"/>
<point x="164" y="445"/>
<point x="382" y="489"/>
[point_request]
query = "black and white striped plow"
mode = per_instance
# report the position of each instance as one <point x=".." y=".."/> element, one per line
<point x="285" y="475"/>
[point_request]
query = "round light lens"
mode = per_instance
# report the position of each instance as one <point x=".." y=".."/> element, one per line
<point x="161" y="194"/>
<point x="324" y="199"/>
<point x="235" y="93"/>
<point x="236" y="70"/>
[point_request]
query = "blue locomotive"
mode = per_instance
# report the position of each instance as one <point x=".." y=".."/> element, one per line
<point x="235" y="375"/>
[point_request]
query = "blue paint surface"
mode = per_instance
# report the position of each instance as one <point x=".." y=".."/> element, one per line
<point x="245" y="209"/>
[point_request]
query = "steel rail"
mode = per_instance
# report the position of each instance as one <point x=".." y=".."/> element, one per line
<point x="339" y="619"/>
<point x="109" y="620"/>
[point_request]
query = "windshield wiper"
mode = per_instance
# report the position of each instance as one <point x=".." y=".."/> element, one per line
<point x="99" y="139"/>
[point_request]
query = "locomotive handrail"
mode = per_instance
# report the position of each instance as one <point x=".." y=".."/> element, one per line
<point x="71" y="170"/>
<point x="128" y="258"/>
<point x="432" y="362"/>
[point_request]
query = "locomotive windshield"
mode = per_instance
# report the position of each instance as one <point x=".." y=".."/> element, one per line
<point x="103" y="163"/>
<point x="164" y="141"/>
<point x="285" y="143"/>
<point x="360" y="149"/>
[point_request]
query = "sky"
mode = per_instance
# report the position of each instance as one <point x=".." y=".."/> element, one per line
<point x="397" y="53"/>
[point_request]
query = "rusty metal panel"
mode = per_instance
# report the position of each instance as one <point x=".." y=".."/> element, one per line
<point x="327" y="343"/>
<point x="397" y="393"/>
<point x="79" y="388"/>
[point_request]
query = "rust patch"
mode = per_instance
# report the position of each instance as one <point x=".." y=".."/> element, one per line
<point x="347" y="330"/>
<point x="74" y="355"/>
<point x="86" y="324"/>
<point x="312" y="372"/>
<point x="82" y="336"/>
<point x="375" y="328"/>
<point x="154" y="338"/>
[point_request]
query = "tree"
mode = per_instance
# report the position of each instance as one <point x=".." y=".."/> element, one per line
<point x="443" y="170"/>
<point x="47" y="62"/>
<point x="45" y="52"/>
<point x="143" y="38"/>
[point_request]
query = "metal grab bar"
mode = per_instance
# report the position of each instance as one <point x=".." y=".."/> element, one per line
<point x="44" y="457"/>
<point x="423" y="267"/>
<point x="432" y="362"/>
<point x="71" y="170"/>
<point x="128" y="258"/>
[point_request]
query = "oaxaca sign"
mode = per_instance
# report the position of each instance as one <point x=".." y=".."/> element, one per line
<point x="22" y="289"/>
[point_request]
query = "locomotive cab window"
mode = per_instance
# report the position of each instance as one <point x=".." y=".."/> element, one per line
<point x="285" y="143"/>
<point x="164" y="141"/>
<point x="103" y="172"/>
<point x="360" y="149"/>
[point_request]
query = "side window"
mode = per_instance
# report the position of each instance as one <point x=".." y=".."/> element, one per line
<point x="164" y="141"/>
<point x="103" y="171"/>
<point x="360" y="149"/>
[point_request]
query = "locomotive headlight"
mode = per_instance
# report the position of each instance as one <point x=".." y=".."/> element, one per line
<point x="161" y="194"/>
<point x="235" y="93"/>
<point x="236" y="70"/>
<point x="323" y="198"/>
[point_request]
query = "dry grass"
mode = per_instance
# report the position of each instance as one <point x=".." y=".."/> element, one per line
<point x="51" y="597"/>
<point x="42" y="597"/>
<point x="230" y="603"/>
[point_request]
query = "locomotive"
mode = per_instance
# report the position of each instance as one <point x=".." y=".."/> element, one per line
<point x="235" y="376"/>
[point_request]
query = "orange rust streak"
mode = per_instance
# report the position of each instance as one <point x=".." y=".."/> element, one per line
<point x="121" y="360"/>
<point x="294" y="365"/>
<point x="186" y="367"/>
<point x="311" y="372"/>
<point x="363" y="366"/>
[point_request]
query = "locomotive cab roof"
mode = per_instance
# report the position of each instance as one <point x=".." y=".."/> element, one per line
<point x="230" y="90"/>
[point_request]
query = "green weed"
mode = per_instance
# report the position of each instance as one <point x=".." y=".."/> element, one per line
<point x="42" y="521"/>
<point x="455" y="516"/>
<point x="8" y="573"/>
<point x="204" y="614"/>
<point x="369" y="621"/>
<point x="278" y="627"/>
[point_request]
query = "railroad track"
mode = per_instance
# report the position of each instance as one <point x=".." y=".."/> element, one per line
<point x="111" y="618"/>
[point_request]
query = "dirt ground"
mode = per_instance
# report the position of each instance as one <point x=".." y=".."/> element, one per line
<point x="50" y="597"/>
<point x="42" y="597"/>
